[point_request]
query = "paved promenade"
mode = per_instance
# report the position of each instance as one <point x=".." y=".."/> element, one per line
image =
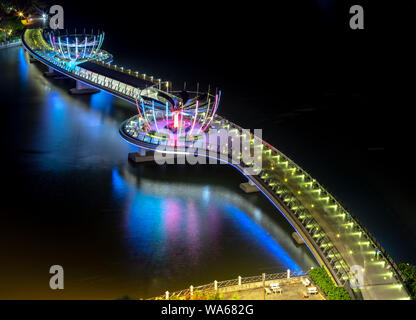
<point x="290" y="291"/>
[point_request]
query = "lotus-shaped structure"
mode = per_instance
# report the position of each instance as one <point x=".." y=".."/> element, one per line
<point x="183" y="113"/>
<point x="75" y="46"/>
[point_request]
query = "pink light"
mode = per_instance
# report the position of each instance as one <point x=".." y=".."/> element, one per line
<point x="196" y="113"/>
<point x="147" y="125"/>
<point x="176" y="120"/>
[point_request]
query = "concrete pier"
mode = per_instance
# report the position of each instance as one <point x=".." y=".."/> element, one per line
<point x="51" y="73"/>
<point x="31" y="59"/>
<point x="141" y="156"/>
<point x="82" y="88"/>
<point x="296" y="237"/>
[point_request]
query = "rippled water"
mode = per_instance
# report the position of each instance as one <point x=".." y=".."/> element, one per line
<point x="71" y="198"/>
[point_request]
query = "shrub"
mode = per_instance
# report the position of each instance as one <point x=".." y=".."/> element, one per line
<point x="322" y="279"/>
<point x="409" y="273"/>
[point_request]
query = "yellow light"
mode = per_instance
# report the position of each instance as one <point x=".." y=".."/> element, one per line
<point x="338" y="235"/>
<point x="312" y="205"/>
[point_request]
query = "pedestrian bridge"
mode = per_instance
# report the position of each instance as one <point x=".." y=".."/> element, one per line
<point x="336" y="238"/>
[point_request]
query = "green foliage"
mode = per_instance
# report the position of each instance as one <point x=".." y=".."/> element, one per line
<point x="322" y="279"/>
<point x="215" y="296"/>
<point x="409" y="273"/>
<point x="10" y="23"/>
<point x="198" y="295"/>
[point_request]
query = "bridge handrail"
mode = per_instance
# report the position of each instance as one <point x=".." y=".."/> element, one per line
<point x="131" y="73"/>
<point x="325" y="238"/>
<point x="398" y="274"/>
<point x="9" y="42"/>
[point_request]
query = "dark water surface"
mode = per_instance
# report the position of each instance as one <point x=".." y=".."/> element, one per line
<point x="72" y="199"/>
<point x="339" y="103"/>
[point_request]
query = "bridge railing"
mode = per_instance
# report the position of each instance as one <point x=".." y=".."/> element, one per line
<point x="137" y="74"/>
<point x="305" y="219"/>
<point x="357" y="225"/>
<point x="240" y="281"/>
<point x="40" y="47"/>
<point x="10" y="43"/>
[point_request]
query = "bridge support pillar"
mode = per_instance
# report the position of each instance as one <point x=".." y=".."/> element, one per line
<point x="82" y="88"/>
<point x="142" y="155"/>
<point x="248" y="187"/>
<point x="51" y="73"/>
<point x="31" y="59"/>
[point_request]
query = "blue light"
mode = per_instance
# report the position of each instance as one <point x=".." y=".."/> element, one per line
<point x="102" y="102"/>
<point x="23" y="67"/>
<point x="119" y="186"/>
<point x="262" y="237"/>
<point x="271" y="201"/>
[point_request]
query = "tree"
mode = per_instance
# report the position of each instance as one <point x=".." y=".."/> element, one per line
<point x="409" y="272"/>
<point x="322" y="279"/>
<point x="11" y="26"/>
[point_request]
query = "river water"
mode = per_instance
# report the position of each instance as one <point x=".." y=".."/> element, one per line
<point x="71" y="198"/>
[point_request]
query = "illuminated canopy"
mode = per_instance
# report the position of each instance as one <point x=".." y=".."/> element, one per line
<point x="75" y="47"/>
<point x="179" y="112"/>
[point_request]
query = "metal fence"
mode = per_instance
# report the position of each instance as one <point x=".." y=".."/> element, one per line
<point x="9" y="44"/>
<point x="238" y="282"/>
